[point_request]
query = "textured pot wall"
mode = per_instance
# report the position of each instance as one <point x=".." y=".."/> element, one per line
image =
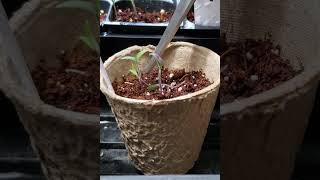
<point x="261" y="142"/>
<point x="67" y="150"/>
<point x="165" y="137"/>
<point x="66" y="142"/>
<point x="260" y="135"/>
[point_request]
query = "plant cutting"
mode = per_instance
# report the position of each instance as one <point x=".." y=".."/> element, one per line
<point x="135" y="70"/>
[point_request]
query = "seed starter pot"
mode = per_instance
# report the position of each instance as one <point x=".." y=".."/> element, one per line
<point x="66" y="142"/>
<point x="260" y="135"/>
<point x="165" y="136"/>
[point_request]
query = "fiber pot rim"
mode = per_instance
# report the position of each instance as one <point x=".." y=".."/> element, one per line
<point x="297" y="84"/>
<point x="17" y="22"/>
<point x="213" y="87"/>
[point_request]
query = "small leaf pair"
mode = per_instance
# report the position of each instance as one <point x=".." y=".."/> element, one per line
<point x="135" y="63"/>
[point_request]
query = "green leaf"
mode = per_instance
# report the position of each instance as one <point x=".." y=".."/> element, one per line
<point x="130" y="58"/>
<point x="152" y="87"/>
<point x="140" y="54"/>
<point x="134" y="72"/>
<point x="92" y="43"/>
<point x="87" y="28"/>
<point x="79" y="4"/>
<point x="89" y="39"/>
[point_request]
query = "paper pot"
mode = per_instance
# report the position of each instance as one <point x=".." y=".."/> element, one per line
<point x="66" y="142"/>
<point x="260" y="135"/>
<point x="165" y="136"/>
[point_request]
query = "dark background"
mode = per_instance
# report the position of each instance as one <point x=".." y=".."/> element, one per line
<point x="17" y="160"/>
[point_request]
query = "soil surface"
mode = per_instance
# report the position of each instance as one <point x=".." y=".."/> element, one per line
<point x="175" y="83"/>
<point x="251" y="67"/>
<point x="128" y="15"/>
<point x="74" y="85"/>
<point x="103" y="15"/>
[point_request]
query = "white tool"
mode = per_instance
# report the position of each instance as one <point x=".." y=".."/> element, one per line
<point x="179" y="15"/>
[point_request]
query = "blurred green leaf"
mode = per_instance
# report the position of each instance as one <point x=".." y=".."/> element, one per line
<point x="80" y="4"/>
<point x="140" y="54"/>
<point x="89" y="38"/>
<point x="152" y="87"/>
<point x="130" y="58"/>
<point x="134" y="72"/>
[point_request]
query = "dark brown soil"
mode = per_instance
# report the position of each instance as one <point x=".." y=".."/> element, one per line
<point x="251" y="67"/>
<point x="103" y="15"/>
<point x="74" y="85"/>
<point x="176" y="83"/>
<point x="128" y="15"/>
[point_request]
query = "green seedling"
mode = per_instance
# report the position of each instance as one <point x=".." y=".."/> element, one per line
<point x="135" y="70"/>
<point x="159" y="75"/>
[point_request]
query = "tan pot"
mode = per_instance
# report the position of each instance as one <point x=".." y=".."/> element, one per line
<point x="260" y="135"/>
<point x="165" y="136"/>
<point x="67" y="142"/>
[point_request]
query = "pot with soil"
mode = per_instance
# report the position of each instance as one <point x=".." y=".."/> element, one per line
<point x="267" y="91"/>
<point x="64" y="125"/>
<point x="145" y="13"/>
<point x="164" y="129"/>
